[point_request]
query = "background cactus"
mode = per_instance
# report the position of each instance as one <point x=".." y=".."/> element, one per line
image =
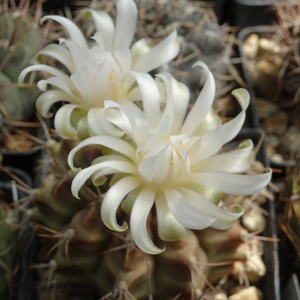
<point x="20" y="39"/>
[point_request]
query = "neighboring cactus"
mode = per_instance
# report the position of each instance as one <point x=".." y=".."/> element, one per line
<point x="8" y="251"/>
<point x="201" y="38"/>
<point x="20" y="39"/>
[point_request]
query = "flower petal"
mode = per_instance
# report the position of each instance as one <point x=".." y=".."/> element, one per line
<point x="124" y="167"/>
<point x="236" y="161"/>
<point x="59" y="53"/>
<point x="138" y="221"/>
<point x="73" y="31"/>
<point x="224" y="219"/>
<point x="99" y="125"/>
<point x="138" y="49"/>
<point x="48" y="69"/>
<point x="169" y="229"/>
<point x="232" y="128"/>
<point x="104" y="24"/>
<point x="187" y="214"/>
<point x="106" y="141"/>
<point x="160" y="54"/>
<point x="122" y="55"/>
<point x="177" y="101"/>
<point x="63" y="120"/>
<point x="202" y="105"/>
<point x="128" y="117"/>
<point x="232" y="183"/>
<point x="47" y="99"/>
<point x="209" y="144"/>
<point x="150" y="97"/>
<point x="125" y="22"/>
<point x="113" y="199"/>
<point x="80" y="178"/>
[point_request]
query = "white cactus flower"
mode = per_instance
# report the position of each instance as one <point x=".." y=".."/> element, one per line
<point x="169" y="160"/>
<point x="111" y="70"/>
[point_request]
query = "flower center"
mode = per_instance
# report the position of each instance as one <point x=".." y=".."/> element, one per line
<point x="163" y="162"/>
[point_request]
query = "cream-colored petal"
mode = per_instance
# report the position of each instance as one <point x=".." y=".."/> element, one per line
<point x="202" y="105"/>
<point x="59" y="53"/>
<point x="138" y="49"/>
<point x="169" y="229"/>
<point x="118" y="165"/>
<point x="160" y="54"/>
<point x="177" y="101"/>
<point x="122" y="55"/>
<point x="233" y="127"/>
<point x="209" y="144"/>
<point x="47" y="99"/>
<point x="48" y="69"/>
<point x="113" y="143"/>
<point x="125" y="22"/>
<point x="232" y="183"/>
<point x="63" y="123"/>
<point x="150" y="97"/>
<point x="236" y="161"/>
<point x="187" y="214"/>
<point x="104" y="24"/>
<point x="73" y="31"/>
<point x="224" y="219"/>
<point x="113" y="199"/>
<point x="138" y="221"/>
<point x="99" y="125"/>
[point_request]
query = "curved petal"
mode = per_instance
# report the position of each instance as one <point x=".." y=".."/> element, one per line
<point x="236" y="161"/>
<point x="104" y="24"/>
<point x="138" y="221"/>
<point x="125" y="22"/>
<point x="155" y="168"/>
<point x="103" y="171"/>
<point x="160" y="54"/>
<point x="122" y="54"/>
<point x="47" y="99"/>
<point x="138" y="49"/>
<point x="211" y="121"/>
<point x="150" y="97"/>
<point x="202" y="105"/>
<point x="209" y="144"/>
<point x="129" y="118"/>
<point x="59" y="53"/>
<point x="60" y="84"/>
<point x="63" y="120"/>
<point x="224" y="219"/>
<point x="113" y="199"/>
<point x="73" y="31"/>
<point x="177" y="101"/>
<point x="232" y="128"/>
<point x="169" y="229"/>
<point x="99" y="125"/>
<point x="232" y="183"/>
<point x="45" y="68"/>
<point x="187" y="214"/>
<point x="106" y="141"/>
<point x="119" y="166"/>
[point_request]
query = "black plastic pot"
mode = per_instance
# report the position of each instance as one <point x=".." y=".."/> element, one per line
<point x="245" y="13"/>
<point x="270" y="283"/>
<point x="25" y="160"/>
